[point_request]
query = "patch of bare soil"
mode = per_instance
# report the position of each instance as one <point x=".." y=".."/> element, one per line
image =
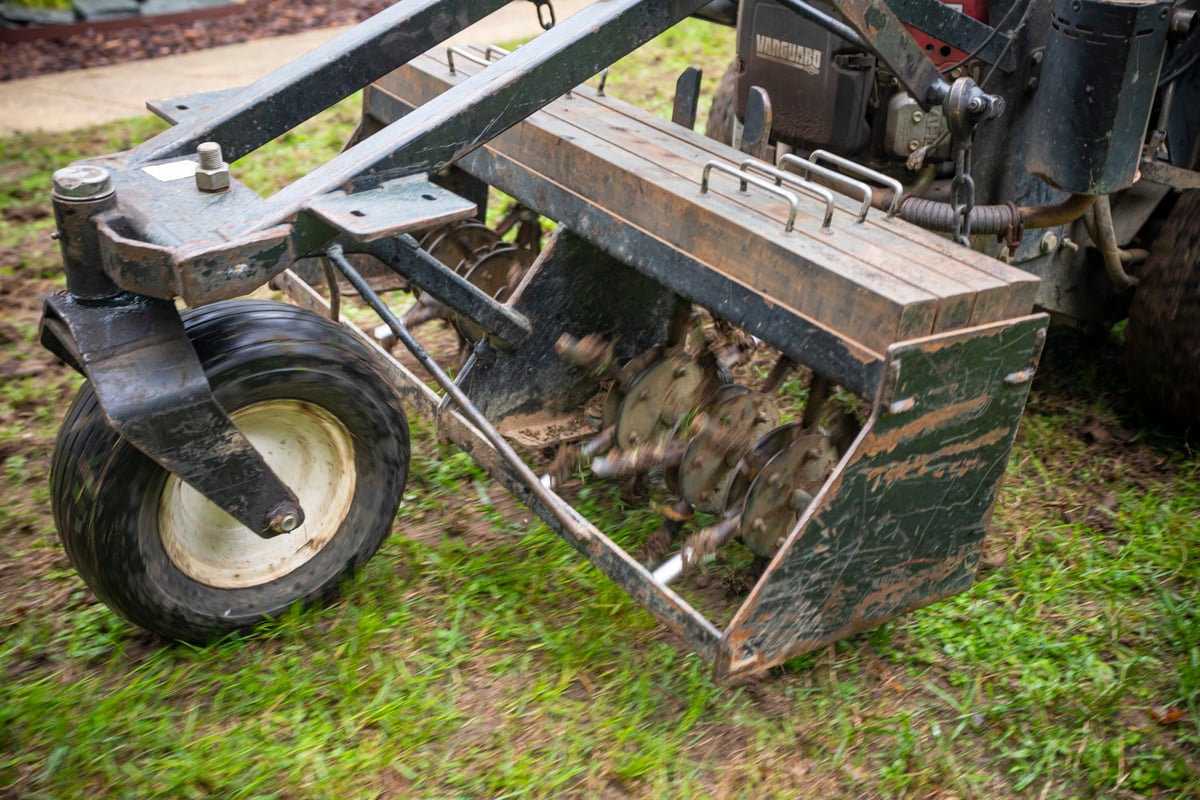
<point x="1121" y="442"/>
<point x="29" y="379"/>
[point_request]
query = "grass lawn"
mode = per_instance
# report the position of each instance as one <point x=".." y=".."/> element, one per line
<point x="503" y="665"/>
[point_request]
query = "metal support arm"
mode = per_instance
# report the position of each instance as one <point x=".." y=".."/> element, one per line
<point x="297" y="91"/>
<point x="154" y="392"/>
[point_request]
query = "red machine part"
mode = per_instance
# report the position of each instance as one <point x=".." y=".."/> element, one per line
<point x="941" y="54"/>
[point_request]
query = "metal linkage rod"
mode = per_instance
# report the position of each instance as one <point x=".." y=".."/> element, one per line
<point x="600" y="550"/>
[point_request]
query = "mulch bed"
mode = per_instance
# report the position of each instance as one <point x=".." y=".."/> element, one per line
<point x="101" y="45"/>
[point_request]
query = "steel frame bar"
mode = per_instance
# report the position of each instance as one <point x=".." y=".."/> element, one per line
<point x="441" y="132"/>
<point x="288" y="96"/>
<point x="957" y="30"/>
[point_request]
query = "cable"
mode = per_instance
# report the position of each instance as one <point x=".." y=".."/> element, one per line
<point x="991" y="35"/>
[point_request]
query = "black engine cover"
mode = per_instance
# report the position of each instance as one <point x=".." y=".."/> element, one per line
<point x="818" y="82"/>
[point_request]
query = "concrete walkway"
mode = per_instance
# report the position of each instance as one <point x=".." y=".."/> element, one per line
<point x="69" y="100"/>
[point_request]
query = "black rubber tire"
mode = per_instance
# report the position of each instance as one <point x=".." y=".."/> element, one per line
<point x="722" y="113"/>
<point x="106" y="495"/>
<point x="1162" y="338"/>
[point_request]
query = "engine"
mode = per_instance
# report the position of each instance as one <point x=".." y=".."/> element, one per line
<point x="828" y="93"/>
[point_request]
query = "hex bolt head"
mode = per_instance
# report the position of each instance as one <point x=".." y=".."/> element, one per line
<point x="212" y="174"/>
<point x="82" y="182"/>
<point x="1049" y="243"/>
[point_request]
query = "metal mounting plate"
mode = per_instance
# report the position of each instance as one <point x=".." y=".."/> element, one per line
<point x="392" y="208"/>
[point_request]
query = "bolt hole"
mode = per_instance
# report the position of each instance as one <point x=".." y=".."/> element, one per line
<point x="357" y="213"/>
<point x="945" y="51"/>
<point x="181" y="108"/>
<point x="428" y="197"/>
<point x="929" y="47"/>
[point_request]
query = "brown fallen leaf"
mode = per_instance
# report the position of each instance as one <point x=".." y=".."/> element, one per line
<point x="1168" y="715"/>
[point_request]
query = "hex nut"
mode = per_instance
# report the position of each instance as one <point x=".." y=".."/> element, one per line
<point x="213" y="180"/>
<point x="212" y="174"/>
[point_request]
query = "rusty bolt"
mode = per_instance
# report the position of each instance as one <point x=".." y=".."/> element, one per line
<point x="212" y="175"/>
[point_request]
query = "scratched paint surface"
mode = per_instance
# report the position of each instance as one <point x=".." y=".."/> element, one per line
<point x="902" y="521"/>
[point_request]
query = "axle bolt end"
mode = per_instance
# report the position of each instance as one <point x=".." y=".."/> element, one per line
<point x="284" y="523"/>
<point x="82" y="182"/>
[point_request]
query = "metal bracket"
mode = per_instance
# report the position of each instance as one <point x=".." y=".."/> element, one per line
<point x="957" y="30"/>
<point x="152" y="387"/>
<point x="760" y="118"/>
<point x="687" y="98"/>
<point x="390" y="209"/>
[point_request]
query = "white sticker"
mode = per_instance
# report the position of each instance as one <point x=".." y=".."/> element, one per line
<point x="172" y="170"/>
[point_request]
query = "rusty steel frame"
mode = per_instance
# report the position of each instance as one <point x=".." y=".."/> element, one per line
<point x="898" y="525"/>
<point x="944" y="367"/>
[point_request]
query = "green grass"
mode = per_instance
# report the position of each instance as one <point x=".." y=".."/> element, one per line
<point x="506" y="666"/>
<point x="63" y="4"/>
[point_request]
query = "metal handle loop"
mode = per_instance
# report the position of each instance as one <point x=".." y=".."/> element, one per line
<point x="796" y="182"/>
<point x="453" y="51"/>
<point x="545" y="14"/>
<point x="495" y="49"/>
<point x="845" y="181"/>
<point x="864" y="172"/>
<point x="744" y="179"/>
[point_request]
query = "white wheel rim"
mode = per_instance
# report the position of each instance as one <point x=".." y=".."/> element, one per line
<point x="312" y="453"/>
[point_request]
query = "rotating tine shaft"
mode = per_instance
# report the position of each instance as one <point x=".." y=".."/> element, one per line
<point x="744" y="179"/>
<point x="863" y="172"/>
